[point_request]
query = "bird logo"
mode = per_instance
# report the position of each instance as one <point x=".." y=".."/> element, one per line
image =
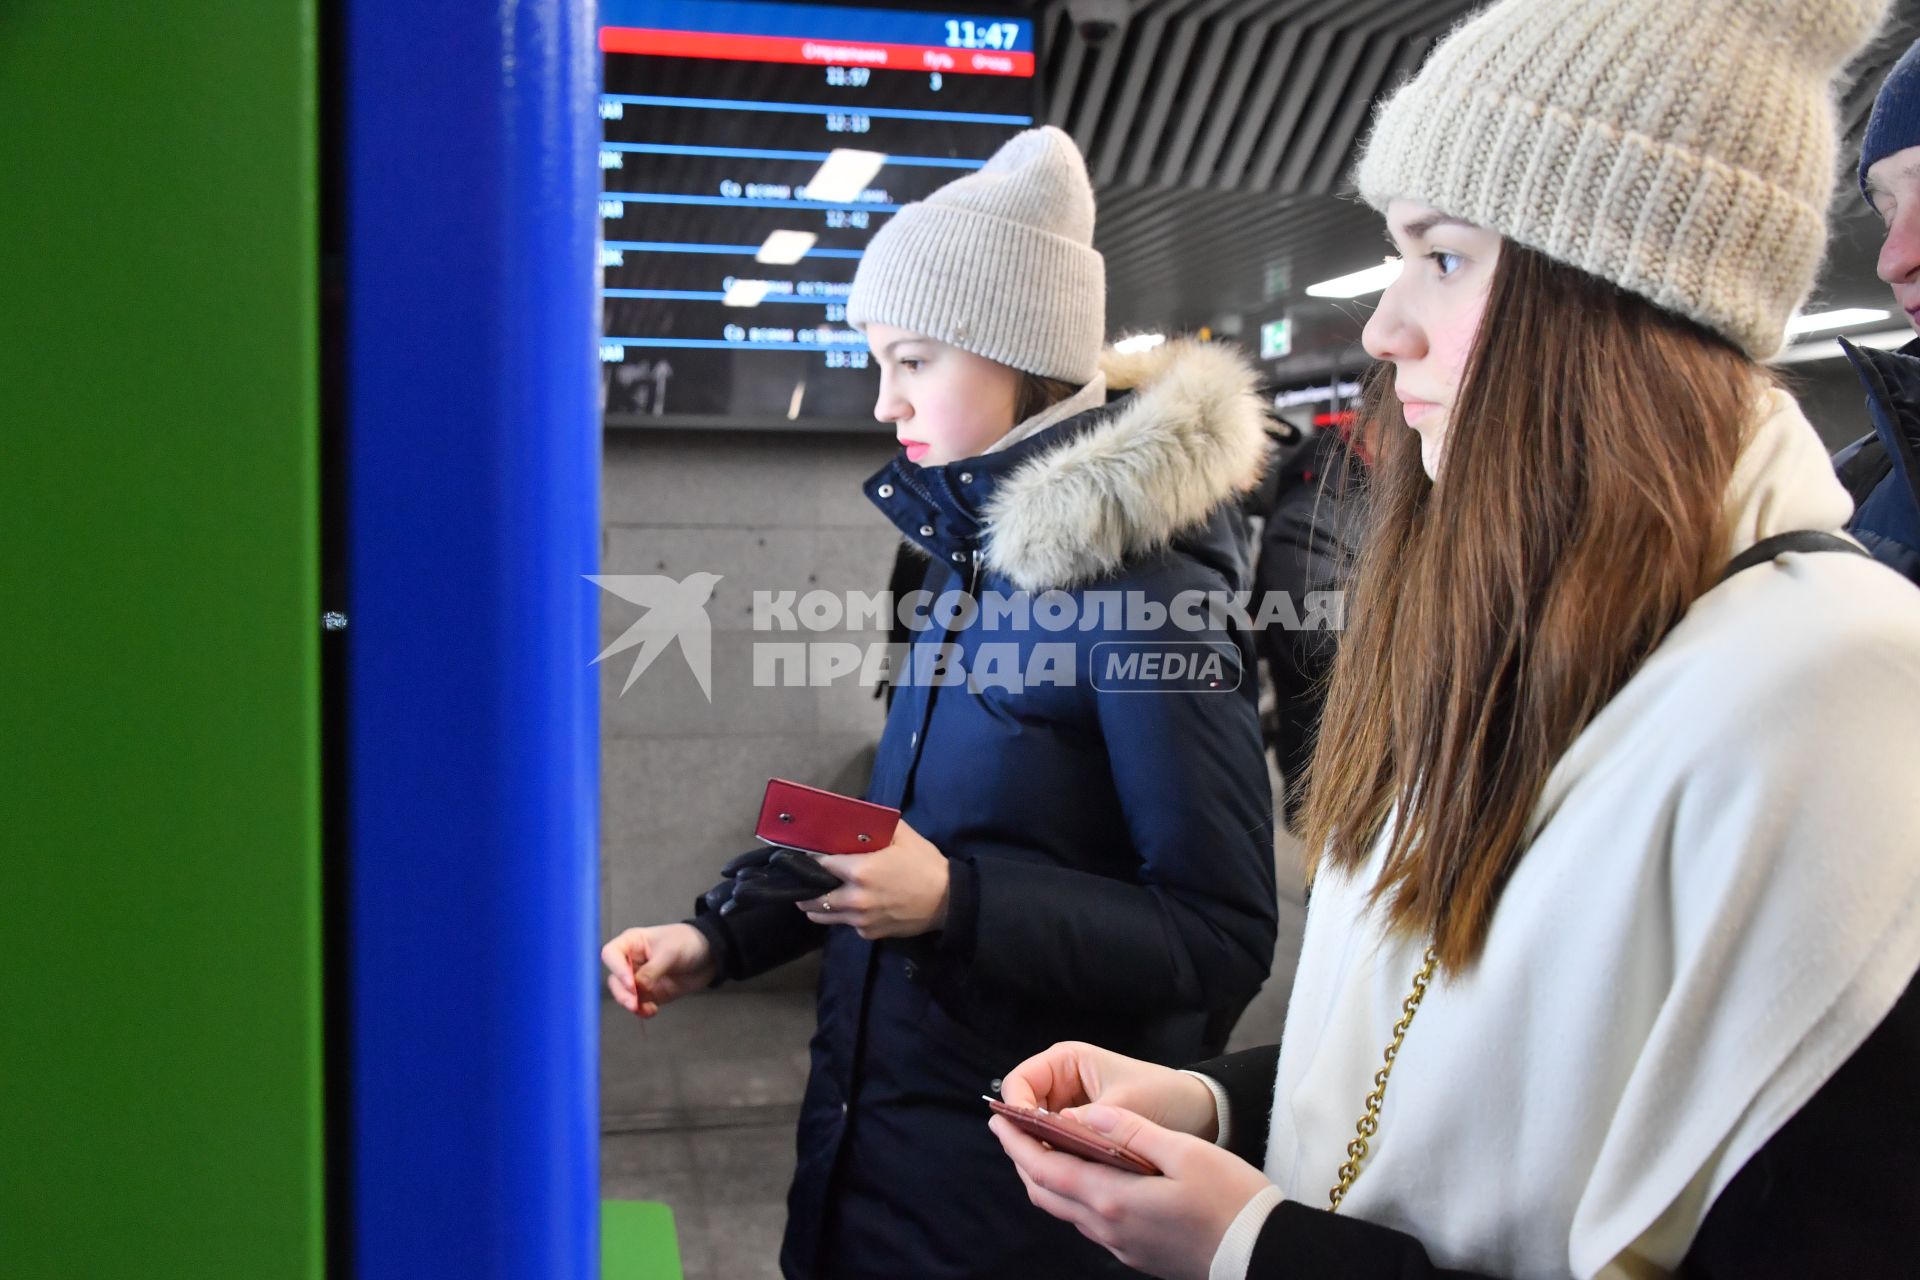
<point x="673" y="611"/>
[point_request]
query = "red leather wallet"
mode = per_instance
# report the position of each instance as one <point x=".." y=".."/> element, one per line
<point x="1063" y="1133"/>
<point x="816" y="821"/>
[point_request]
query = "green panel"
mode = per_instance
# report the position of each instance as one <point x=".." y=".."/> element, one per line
<point x="637" y="1241"/>
<point x="160" y="1032"/>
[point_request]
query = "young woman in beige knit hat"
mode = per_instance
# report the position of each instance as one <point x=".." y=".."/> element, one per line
<point x="1616" y="908"/>
<point x="1075" y="850"/>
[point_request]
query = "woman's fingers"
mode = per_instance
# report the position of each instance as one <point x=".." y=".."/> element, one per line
<point x="1018" y="1091"/>
<point x="1055" y="1204"/>
<point x="627" y="998"/>
<point x="1076" y="1190"/>
<point x="656" y="973"/>
<point x="1050" y="1079"/>
<point x="1020" y="1146"/>
<point x="642" y="970"/>
<point x="1058" y="1173"/>
<point x="614" y="956"/>
<point x="1161" y="1147"/>
<point x="1166" y="1226"/>
<point x="844" y="906"/>
<point x="842" y="901"/>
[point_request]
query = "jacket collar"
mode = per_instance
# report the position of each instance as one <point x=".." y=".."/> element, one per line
<point x="1783" y="480"/>
<point x="1889" y="375"/>
<point x="1892" y="380"/>
<point x="1071" y="504"/>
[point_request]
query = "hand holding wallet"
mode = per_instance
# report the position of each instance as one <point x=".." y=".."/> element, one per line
<point x="1063" y="1133"/>
<point x="815" y="821"/>
<point x="795" y="822"/>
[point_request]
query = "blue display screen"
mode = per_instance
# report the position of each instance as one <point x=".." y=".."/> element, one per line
<point x="749" y="152"/>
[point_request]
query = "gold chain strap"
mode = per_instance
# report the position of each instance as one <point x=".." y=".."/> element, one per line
<point x="1370" y="1122"/>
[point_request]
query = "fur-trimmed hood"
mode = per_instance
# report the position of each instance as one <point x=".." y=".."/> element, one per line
<point x="1191" y="436"/>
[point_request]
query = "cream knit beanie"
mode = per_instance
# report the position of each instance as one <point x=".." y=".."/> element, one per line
<point x="1683" y="151"/>
<point x="1000" y="263"/>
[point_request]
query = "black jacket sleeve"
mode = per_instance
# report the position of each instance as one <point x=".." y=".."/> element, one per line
<point x="751" y="941"/>
<point x="1247" y="1077"/>
<point x="1836" y="1192"/>
<point x="1197" y="930"/>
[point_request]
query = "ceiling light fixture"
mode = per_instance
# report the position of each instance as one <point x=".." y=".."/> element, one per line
<point x="784" y="248"/>
<point x="1827" y="321"/>
<point x="844" y="175"/>
<point x="1359" y="283"/>
<point x="1879" y="340"/>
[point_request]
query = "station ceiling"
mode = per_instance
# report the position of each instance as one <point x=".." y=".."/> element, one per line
<point x="1221" y="135"/>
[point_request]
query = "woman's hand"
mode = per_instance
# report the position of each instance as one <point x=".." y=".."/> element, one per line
<point x="647" y="968"/>
<point x="1168" y="1226"/>
<point x="896" y="892"/>
<point x="1070" y="1075"/>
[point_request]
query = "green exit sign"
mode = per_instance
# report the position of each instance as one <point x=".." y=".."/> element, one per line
<point x="1276" y="339"/>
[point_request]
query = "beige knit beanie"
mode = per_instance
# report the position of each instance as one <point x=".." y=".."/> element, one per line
<point x="1683" y="151"/>
<point x="1000" y="263"/>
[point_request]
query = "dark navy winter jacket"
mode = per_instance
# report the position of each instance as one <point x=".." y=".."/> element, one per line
<point x="1110" y="836"/>
<point x="1882" y="468"/>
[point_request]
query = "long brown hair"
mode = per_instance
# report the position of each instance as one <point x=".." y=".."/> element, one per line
<point x="1495" y="611"/>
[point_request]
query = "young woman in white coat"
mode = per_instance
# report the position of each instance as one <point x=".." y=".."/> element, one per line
<point x="1616" y="903"/>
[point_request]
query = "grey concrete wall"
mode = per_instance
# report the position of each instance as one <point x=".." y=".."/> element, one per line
<point x="682" y="777"/>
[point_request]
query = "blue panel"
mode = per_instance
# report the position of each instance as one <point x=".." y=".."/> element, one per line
<point x="473" y="468"/>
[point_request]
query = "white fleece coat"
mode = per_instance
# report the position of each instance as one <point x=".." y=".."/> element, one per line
<point x="1720" y="903"/>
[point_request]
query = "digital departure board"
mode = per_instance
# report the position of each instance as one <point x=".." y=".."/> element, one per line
<point x="749" y="151"/>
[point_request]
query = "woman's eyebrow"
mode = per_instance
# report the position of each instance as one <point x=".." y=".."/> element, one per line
<point x="1420" y="228"/>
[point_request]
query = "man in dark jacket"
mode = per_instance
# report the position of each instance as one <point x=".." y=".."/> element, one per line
<point x="1311" y="534"/>
<point x="1882" y="469"/>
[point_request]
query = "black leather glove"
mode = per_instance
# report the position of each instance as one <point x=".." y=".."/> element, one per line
<point x="769" y="875"/>
<point x="753" y="859"/>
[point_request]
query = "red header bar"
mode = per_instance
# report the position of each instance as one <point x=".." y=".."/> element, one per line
<point x="823" y="53"/>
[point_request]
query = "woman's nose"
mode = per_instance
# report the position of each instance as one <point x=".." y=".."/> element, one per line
<point x="891" y="407"/>
<point x="1390" y="333"/>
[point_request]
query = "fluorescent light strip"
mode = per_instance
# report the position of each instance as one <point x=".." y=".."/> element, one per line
<point x="1358" y="284"/>
<point x="784" y="248"/>
<point x="1879" y="340"/>
<point x="1826" y="321"/>
<point x="746" y="293"/>
<point x="845" y="175"/>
